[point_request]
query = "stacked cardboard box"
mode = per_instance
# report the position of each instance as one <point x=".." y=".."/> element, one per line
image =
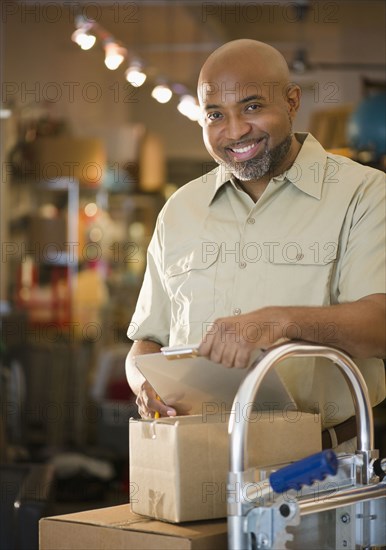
<point x="119" y="528"/>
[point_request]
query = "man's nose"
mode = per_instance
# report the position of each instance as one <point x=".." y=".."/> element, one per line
<point x="237" y="127"/>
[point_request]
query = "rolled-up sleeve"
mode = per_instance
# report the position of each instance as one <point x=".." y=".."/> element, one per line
<point x="151" y="319"/>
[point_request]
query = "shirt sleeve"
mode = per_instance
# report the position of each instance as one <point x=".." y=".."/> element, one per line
<point x="151" y="319"/>
<point x="363" y="267"/>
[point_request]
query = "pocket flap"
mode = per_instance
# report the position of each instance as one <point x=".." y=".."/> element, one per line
<point x="301" y="252"/>
<point x="192" y="259"/>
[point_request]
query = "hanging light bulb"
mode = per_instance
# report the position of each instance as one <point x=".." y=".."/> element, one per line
<point x="189" y="108"/>
<point x="162" y="93"/>
<point x="135" y="74"/>
<point x="114" y="55"/>
<point x="82" y="36"/>
<point x="83" y="39"/>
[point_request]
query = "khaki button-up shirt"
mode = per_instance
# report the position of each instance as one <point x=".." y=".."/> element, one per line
<point x="315" y="237"/>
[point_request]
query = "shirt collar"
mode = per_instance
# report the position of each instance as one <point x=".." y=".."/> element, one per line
<point x="221" y="177"/>
<point x="306" y="173"/>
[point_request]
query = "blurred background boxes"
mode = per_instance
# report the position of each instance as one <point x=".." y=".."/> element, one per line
<point x="82" y="159"/>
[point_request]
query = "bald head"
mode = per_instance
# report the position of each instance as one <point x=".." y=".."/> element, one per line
<point x="251" y="59"/>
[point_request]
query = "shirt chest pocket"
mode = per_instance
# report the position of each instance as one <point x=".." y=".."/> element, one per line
<point x="300" y="273"/>
<point x="191" y="283"/>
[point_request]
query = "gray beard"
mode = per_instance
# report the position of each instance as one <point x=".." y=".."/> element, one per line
<point x="257" y="167"/>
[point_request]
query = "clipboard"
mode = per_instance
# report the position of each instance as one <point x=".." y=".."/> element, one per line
<point x="193" y="384"/>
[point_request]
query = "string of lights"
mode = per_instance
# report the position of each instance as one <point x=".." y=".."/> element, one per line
<point x="89" y="32"/>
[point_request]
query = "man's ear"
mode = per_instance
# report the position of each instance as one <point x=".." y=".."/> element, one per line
<point x="292" y="95"/>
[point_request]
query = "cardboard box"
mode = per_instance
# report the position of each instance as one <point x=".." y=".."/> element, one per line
<point x="179" y="466"/>
<point x="119" y="528"/>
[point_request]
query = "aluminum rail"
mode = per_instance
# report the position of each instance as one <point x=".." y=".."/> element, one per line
<point x="349" y="496"/>
<point x="325" y="501"/>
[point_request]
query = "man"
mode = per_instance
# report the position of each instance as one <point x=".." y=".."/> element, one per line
<point x="282" y="240"/>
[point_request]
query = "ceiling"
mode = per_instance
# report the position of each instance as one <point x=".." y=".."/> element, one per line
<point x="175" y="37"/>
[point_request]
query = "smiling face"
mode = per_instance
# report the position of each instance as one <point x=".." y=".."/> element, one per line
<point x="248" y="107"/>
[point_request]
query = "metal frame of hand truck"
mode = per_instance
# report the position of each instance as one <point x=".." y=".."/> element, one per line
<point x="352" y="516"/>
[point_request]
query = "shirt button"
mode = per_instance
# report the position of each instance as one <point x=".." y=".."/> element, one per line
<point x="242" y="265"/>
<point x="236" y="311"/>
<point x="251" y="221"/>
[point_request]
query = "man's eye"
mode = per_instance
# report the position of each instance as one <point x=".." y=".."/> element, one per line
<point x="253" y="107"/>
<point x="214" y="116"/>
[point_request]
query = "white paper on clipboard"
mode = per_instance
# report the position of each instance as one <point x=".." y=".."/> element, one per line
<point x="193" y="384"/>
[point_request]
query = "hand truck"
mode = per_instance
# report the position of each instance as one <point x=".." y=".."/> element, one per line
<point x="325" y="501"/>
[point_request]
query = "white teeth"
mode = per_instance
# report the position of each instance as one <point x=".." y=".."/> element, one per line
<point x="243" y="149"/>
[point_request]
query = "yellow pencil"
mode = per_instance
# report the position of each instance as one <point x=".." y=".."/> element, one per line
<point x="157" y="414"/>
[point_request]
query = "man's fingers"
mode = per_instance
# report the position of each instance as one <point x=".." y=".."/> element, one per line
<point x="210" y="338"/>
<point x="216" y="352"/>
<point x="242" y="357"/>
<point x="205" y="346"/>
<point x="148" y="405"/>
<point x="229" y="356"/>
<point x="162" y="409"/>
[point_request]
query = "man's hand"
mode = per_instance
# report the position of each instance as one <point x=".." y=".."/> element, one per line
<point x="148" y="404"/>
<point x="147" y="401"/>
<point x="356" y="327"/>
<point x="231" y="340"/>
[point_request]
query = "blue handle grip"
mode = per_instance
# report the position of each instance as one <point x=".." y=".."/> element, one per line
<point x="304" y="472"/>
